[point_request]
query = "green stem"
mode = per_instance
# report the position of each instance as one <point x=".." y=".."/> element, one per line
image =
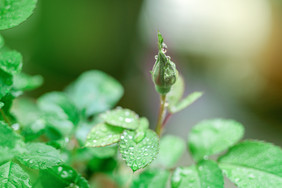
<point x="161" y="115"/>
<point x="5" y="117"/>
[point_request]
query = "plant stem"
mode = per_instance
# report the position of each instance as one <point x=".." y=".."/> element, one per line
<point x="5" y="117"/>
<point x="161" y="115"/>
<point x="166" y="119"/>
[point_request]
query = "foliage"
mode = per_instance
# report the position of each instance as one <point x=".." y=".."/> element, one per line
<point x="72" y="138"/>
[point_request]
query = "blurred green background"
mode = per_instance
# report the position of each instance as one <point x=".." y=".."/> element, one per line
<point x="230" y="50"/>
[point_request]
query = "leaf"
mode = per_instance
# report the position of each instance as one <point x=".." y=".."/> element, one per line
<point x="58" y="104"/>
<point x="28" y="115"/>
<point x="152" y="178"/>
<point x="213" y="136"/>
<point x="185" y="102"/>
<point x="1" y="41"/>
<point x="10" y="61"/>
<point x="25" y="82"/>
<point x="120" y="117"/>
<point x="176" y="92"/>
<point x="13" y="12"/>
<point x="12" y="175"/>
<point x="62" y="176"/>
<point x="40" y="156"/>
<point x="103" y="135"/>
<point x="6" y="82"/>
<point x="205" y="174"/>
<point x="253" y="164"/>
<point x="99" y="152"/>
<point x="139" y="155"/>
<point x="95" y="92"/>
<point x="171" y="149"/>
<point x="8" y="138"/>
<point x="141" y="130"/>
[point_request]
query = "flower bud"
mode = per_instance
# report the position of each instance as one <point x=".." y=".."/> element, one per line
<point x="164" y="73"/>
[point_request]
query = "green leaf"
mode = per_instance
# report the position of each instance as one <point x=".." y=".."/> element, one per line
<point x="253" y="164"/>
<point x="120" y="117"/>
<point x="205" y="174"/>
<point x="10" y="61"/>
<point x="99" y="152"/>
<point x="1" y="41"/>
<point x="185" y="102"/>
<point x="103" y="135"/>
<point x="152" y="178"/>
<point x="12" y="175"/>
<point x="40" y="156"/>
<point x="25" y="82"/>
<point x="141" y="130"/>
<point x="95" y="92"/>
<point x="8" y="138"/>
<point x="139" y="155"/>
<point x="171" y="149"/>
<point x="13" y="12"/>
<point x="62" y="176"/>
<point x="58" y="104"/>
<point x="213" y="136"/>
<point x="6" y="82"/>
<point x="176" y="92"/>
<point x="28" y="115"/>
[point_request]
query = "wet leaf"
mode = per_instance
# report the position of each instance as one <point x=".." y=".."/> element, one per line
<point x="40" y="156"/>
<point x="8" y="138"/>
<point x="62" y="176"/>
<point x="141" y="130"/>
<point x="12" y="175"/>
<point x="14" y="12"/>
<point x="138" y="155"/>
<point x="121" y="118"/>
<point x="213" y="136"/>
<point x="184" y="103"/>
<point x="103" y="135"/>
<point x="171" y="149"/>
<point x="95" y="92"/>
<point x="10" y="61"/>
<point x="253" y="164"/>
<point x="152" y="178"/>
<point x="205" y="174"/>
<point x="25" y="82"/>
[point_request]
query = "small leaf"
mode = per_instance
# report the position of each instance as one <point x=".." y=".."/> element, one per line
<point x="171" y="149"/>
<point x="40" y="156"/>
<point x="25" y="82"/>
<point x="139" y="155"/>
<point x="12" y="175"/>
<point x="12" y="13"/>
<point x="205" y="174"/>
<point x="176" y="92"/>
<point x="213" y="136"/>
<point x="152" y="178"/>
<point x="62" y="176"/>
<point x="141" y="130"/>
<point x="253" y="164"/>
<point x="103" y="135"/>
<point x="58" y="104"/>
<point x="10" y="61"/>
<point x="185" y="102"/>
<point x="95" y="92"/>
<point x="120" y="117"/>
<point x="1" y="41"/>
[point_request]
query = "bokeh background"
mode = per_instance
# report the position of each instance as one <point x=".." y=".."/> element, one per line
<point x="230" y="50"/>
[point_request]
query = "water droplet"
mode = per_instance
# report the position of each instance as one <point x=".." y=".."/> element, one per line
<point x="60" y="169"/>
<point x="237" y="179"/>
<point x="64" y="174"/>
<point x="156" y="57"/>
<point x="164" y="47"/>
